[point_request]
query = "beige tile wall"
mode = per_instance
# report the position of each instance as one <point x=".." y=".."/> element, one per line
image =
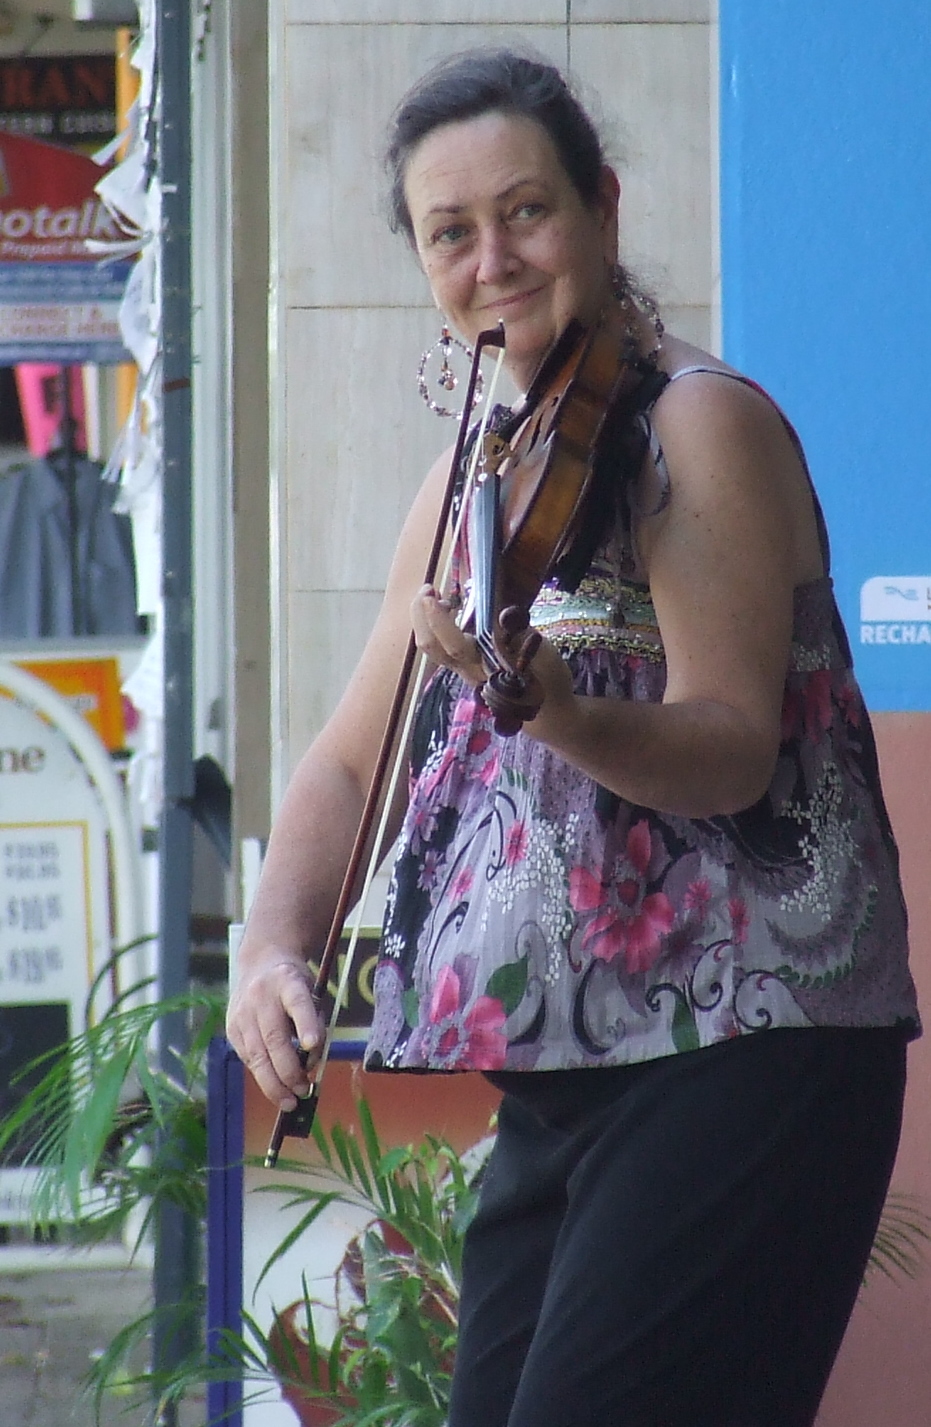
<point x="353" y="313"/>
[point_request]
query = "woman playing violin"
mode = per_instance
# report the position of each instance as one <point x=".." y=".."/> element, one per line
<point x="664" y="918"/>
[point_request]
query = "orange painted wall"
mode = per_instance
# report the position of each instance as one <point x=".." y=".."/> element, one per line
<point x="883" y="1375"/>
<point x="457" y="1108"/>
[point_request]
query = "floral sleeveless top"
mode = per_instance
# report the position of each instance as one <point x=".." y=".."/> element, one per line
<point x="536" y="921"/>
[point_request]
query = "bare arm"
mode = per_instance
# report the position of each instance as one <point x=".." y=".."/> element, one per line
<point x="314" y="832"/>
<point x="722" y="560"/>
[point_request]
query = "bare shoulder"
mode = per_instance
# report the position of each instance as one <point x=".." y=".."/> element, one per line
<point x="729" y="453"/>
<point x="705" y="395"/>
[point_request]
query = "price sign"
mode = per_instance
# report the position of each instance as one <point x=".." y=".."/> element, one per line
<point x="55" y="911"/>
<point x="45" y="931"/>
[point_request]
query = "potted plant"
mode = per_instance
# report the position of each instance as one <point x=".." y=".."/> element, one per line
<point x="112" y="1136"/>
<point x="396" y="1289"/>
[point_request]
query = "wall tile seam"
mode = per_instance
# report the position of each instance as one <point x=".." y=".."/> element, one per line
<point x="361" y="307"/>
<point x="498" y="24"/>
<point x="426" y="307"/>
<point x="414" y="306"/>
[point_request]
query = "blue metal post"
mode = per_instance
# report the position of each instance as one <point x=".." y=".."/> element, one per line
<point x="176" y="1275"/>
<point x="225" y="1141"/>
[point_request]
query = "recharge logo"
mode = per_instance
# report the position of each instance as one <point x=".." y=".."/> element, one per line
<point x="896" y="609"/>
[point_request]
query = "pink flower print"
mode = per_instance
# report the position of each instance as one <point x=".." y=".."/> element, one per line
<point x="462" y="884"/>
<point x="613" y="930"/>
<point x="454" y="1041"/>
<point x="481" y="756"/>
<point x="488" y="772"/>
<point x="740" y="920"/>
<point x="645" y="933"/>
<point x="478" y="742"/>
<point x="516" y="843"/>
<point x="423" y="826"/>
<point x="818" y="706"/>
<point x="426" y="877"/>
<point x="698" y="896"/>
<point x="848" y="703"/>
<point x="585" y="890"/>
<point x="640" y="846"/>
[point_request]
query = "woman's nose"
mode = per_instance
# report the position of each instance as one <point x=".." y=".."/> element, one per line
<point x="496" y="257"/>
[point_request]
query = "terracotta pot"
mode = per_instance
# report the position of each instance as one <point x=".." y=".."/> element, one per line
<point x="290" y="1349"/>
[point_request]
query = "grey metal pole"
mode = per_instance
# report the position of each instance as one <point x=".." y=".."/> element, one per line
<point x="176" y="1233"/>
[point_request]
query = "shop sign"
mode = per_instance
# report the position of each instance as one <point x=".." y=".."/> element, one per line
<point x="63" y="99"/>
<point x="57" y="304"/>
<point x="92" y="688"/>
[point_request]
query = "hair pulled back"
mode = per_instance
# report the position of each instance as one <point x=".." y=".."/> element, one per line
<point x="487" y="80"/>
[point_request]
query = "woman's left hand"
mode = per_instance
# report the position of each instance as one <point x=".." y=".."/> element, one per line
<point x="439" y="637"/>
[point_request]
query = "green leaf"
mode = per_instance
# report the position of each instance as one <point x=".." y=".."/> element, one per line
<point x="684" y="1029"/>
<point x="369" y="1133"/>
<point x="296" y="1232"/>
<point x="321" y="1141"/>
<point x="360" y="1171"/>
<point x="339" y="1139"/>
<point x="508" y="984"/>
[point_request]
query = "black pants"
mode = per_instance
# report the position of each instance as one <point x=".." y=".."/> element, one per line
<point x="680" y="1243"/>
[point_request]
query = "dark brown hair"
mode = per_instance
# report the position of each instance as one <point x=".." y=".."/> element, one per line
<point x="482" y="81"/>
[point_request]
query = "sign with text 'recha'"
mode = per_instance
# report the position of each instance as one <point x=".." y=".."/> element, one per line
<point x="57" y="302"/>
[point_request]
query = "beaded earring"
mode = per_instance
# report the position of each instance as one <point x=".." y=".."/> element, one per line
<point x="446" y="380"/>
<point x="634" y="300"/>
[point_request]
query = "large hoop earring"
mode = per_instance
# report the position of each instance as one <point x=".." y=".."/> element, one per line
<point x="447" y="379"/>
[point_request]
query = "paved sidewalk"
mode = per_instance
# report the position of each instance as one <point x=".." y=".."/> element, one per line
<point x="53" y="1319"/>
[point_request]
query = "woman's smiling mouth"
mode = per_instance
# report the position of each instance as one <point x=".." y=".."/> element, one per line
<point x="502" y="303"/>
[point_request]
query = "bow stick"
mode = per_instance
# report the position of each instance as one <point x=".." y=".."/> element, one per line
<point x="299" y="1121"/>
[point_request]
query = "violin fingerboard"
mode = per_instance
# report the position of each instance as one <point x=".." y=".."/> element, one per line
<point x="484" y="546"/>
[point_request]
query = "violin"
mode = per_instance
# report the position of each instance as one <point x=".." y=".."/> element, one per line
<point x="530" y="498"/>
<point x="526" y="507"/>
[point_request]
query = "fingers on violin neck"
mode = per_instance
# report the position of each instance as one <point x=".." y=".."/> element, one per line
<point x="514" y="619"/>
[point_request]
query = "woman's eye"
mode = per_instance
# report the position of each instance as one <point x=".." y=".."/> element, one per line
<point x="528" y="210"/>
<point x="448" y="235"/>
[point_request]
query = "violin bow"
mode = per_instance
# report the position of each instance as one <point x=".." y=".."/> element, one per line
<point x="298" y="1123"/>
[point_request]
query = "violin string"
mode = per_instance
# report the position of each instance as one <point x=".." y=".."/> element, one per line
<point x="469" y="483"/>
<point x="410" y="712"/>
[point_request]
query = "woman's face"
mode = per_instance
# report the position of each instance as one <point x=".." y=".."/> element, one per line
<point x="502" y="232"/>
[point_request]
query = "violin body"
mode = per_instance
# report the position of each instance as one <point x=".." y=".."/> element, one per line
<point x="528" y="508"/>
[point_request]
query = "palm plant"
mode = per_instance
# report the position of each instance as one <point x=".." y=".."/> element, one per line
<point x="113" y="1137"/>
<point x="109" y="1132"/>
<point x="396" y="1289"/>
<point x="899" y="1247"/>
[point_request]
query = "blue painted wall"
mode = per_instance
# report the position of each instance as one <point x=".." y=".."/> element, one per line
<point x="826" y="289"/>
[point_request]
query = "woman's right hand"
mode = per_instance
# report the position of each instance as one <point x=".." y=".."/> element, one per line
<point x="272" y="1013"/>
